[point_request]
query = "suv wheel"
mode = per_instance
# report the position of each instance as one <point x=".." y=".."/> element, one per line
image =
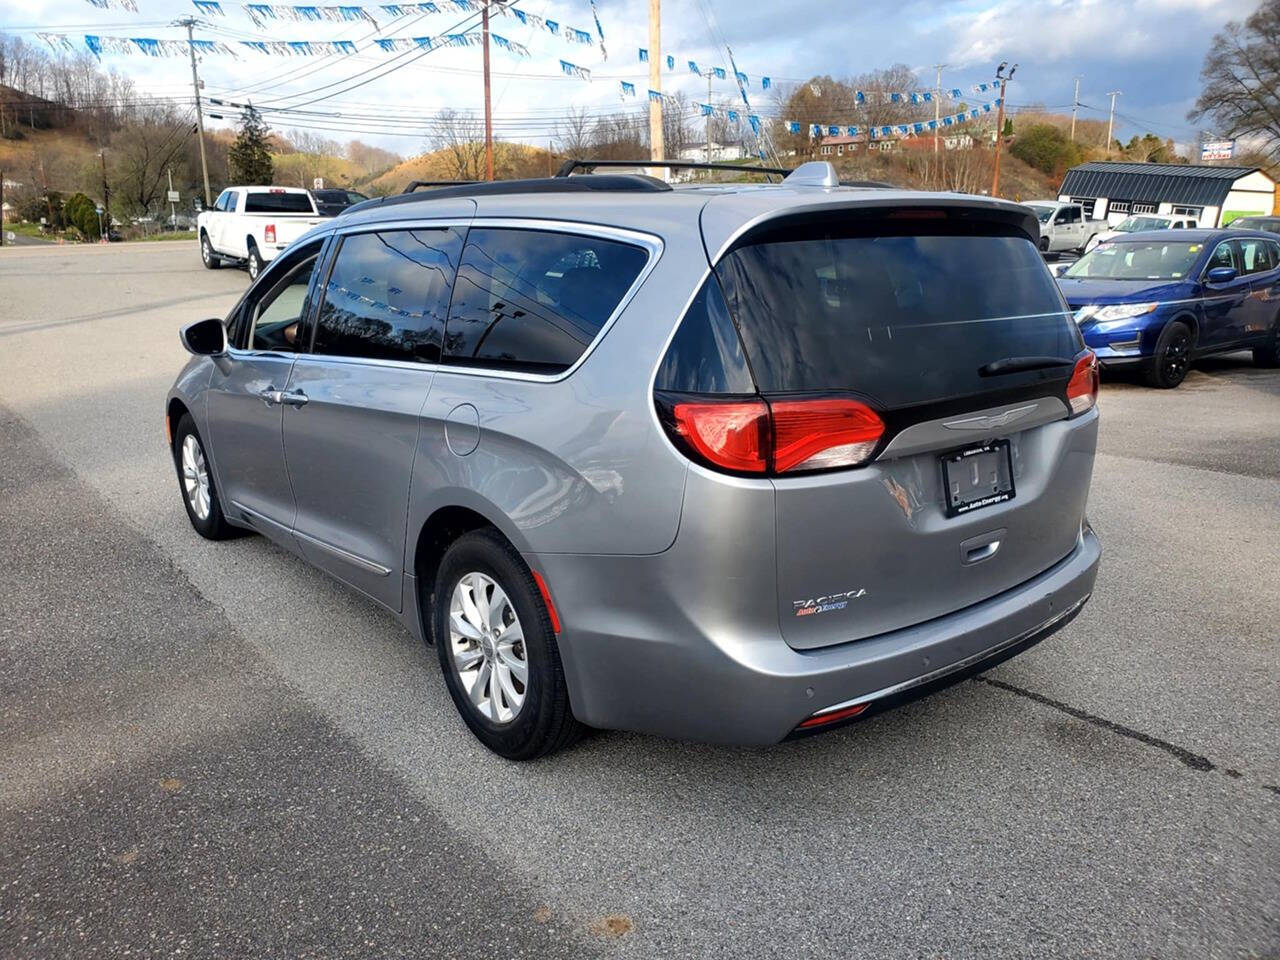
<point x="1173" y="356"/>
<point x="498" y="650"/>
<point x="1268" y="354"/>
<point x="254" y="262"/>
<point x="1044" y="244"/>
<point x="211" y="260"/>
<point x="195" y="479"/>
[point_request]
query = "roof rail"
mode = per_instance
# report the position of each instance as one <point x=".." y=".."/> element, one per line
<point x="415" y="184"/>
<point x="567" y="168"/>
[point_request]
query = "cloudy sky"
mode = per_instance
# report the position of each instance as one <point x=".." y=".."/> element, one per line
<point x="1151" y="50"/>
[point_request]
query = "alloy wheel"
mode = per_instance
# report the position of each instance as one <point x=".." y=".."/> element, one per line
<point x="1176" y="354"/>
<point x="487" y="645"/>
<point x="206" y="251"/>
<point x="195" y="476"/>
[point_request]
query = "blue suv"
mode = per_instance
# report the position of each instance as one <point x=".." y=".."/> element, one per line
<point x="1159" y="300"/>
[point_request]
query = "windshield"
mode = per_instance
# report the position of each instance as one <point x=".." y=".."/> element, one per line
<point x="1138" y="224"/>
<point x="1163" y="260"/>
<point x="1042" y="213"/>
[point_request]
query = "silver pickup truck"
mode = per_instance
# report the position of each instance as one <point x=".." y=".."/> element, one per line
<point x="250" y="225"/>
<point x="1064" y="226"/>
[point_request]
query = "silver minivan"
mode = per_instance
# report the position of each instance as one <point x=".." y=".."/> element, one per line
<point x="737" y="463"/>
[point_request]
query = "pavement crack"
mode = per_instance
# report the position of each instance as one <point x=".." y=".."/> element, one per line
<point x="1195" y="761"/>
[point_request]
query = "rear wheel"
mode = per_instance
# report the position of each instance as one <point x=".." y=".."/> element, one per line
<point x="498" y="650"/>
<point x="1044" y="244"/>
<point x="254" y="261"/>
<point x="211" y="260"/>
<point x="195" y="480"/>
<point x="1268" y="354"/>
<point x="1172" y="358"/>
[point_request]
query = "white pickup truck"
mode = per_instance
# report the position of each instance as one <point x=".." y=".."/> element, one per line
<point x="1063" y="226"/>
<point x="250" y="225"/>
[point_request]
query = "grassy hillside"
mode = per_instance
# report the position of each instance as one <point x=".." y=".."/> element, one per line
<point x="510" y="161"/>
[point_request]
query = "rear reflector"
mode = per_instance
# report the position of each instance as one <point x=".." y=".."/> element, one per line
<point x="831" y="716"/>
<point x="269" y="233"/>
<point x="1082" y="391"/>
<point x="777" y="436"/>
<point x="546" y="598"/>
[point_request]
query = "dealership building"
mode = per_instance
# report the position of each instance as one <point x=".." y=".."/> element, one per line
<point x="1213" y="195"/>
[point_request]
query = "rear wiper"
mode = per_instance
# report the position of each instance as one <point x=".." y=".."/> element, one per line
<point x="997" y="368"/>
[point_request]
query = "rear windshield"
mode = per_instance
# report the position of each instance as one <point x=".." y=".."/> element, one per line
<point x="901" y="319"/>
<point x="277" y="203"/>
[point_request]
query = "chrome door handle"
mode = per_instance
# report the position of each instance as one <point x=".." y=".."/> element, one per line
<point x="294" y="398"/>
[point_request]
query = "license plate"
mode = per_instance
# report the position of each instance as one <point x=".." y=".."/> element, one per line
<point x="978" y="476"/>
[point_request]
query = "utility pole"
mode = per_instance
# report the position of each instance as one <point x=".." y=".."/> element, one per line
<point x="1" y="208"/>
<point x="106" y="195"/>
<point x="1111" y="118"/>
<point x="937" y="107"/>
<point x="708" y="118"/>
<point x="656" y="149"/>
<point x="488" y="105"/>
<point x="1004" y="80"/>
<point x="189" y="23"/>
<point x="1075" y="105"/>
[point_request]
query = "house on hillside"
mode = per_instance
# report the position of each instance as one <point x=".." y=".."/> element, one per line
<point x="1213" y="195"/>
<point x="954" y="138"/>
<point x="720" y="152"/>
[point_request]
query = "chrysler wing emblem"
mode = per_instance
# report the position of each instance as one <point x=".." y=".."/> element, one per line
<point x="1004" y="418"/>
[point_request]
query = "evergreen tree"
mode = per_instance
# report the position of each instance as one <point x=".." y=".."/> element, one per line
<point x="249" y="158"/>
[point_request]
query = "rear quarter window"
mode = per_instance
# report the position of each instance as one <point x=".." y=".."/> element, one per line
<point x="268" y="202"/>
<point x="533" y="300"/>
<point x="901" y="313"/>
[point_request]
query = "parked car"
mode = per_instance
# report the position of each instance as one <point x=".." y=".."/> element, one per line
<point x="658" y="459"/>
<point x="250" y="225"/>
<point x="332" y="201"/>
<point x="1064" y="226"/>
<point x="1269" y="224"/>
<point x="1142" y="223"/>
<point x="1159" y="300"/>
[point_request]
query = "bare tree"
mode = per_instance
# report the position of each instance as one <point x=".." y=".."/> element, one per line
<point x="1241" y="76"/>
<point x="461" y="137"/>
<point x="573" y="134"/>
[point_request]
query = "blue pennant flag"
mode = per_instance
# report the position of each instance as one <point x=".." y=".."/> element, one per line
<point x="301" y="47"/>
<point x="903" y="129"/>
<point x="895" y="98"/>
<point x="996" y="102"/>
<point x="740" y="77"/>
<point x="258" y="45"/>
<point x="915" y="98"/>
<point x="719" y="72"/>
<point x="211" y="7"/>
<point x="833" y="131"/>
<point x="385" y="43"/>
<point x="552" y="26"/>
<point x="815" y="131"/>
<point x="851" y="131"/>
<point x="671" y="62"/>
<point x="655" y="96"/>
<point x="956" y="93"/>
<point x="733" y="116"/>
<point x="859" y="96"/>
<point x="147" y="45"/>
<point x="792" y="127"/>
<point x="754" y="121"/>
<point x="927" y="97"/>
<point x="693" y="68"/>
<point x="932" y="124"/>
<point x="260" y="10"/>
<point x="628" y="89"/>
<point x="426" y="43"/>
<point x="946" y="121"/>
<point x="986" y="108"/>
<point x="344" y="46"/>
<point x="886" y="131"/>
<point x="579" y="36"/>
<point x="871" y="133"/>
<point x="918" y="127"/>
<point x="309" y="13"/>
<point x="644" y="55"/>
<point x="765" y="83"/>
<point x="707" y="109"/>
<point x="973" y="114"/>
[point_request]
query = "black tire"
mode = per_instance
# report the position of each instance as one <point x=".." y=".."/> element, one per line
<point x="210" y="259"/>
<point x="1268" y="354"/>
<point x="1172" y="359"/>
<point x="1044" y="244"/>
<point x="254" y="262"/>
<point x="544" y="722"/>
<point x="213" y="525"/>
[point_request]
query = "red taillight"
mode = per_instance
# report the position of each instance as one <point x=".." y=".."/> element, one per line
<point x="269" y="233"/>
<point x="546" y="598"/>
<point x="779" y="436"/>
<point x="821" y="434"/>
<point x="1082" y="391"/>
<point x="734" y="436"/>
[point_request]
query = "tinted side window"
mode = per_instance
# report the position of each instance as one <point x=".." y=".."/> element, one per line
<point x="387" y="295"/>
<point x="533" y="300"/>
<point x="270" y="316"/>
<point x="705" y="355"/>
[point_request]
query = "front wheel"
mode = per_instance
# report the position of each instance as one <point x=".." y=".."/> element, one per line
<point x="195" y="479"/>
<point x="1044" y="244"/>
<point x="498" y="650"/>
<point x="254" y="262"/>
<point x="211" y="260"/>
<point x="1172" y="359"/>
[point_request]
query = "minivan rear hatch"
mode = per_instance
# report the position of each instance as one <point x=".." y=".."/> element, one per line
<point x="945" y="322"/>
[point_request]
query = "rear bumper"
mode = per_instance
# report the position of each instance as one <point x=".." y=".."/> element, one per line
<point x="635" y="664"/>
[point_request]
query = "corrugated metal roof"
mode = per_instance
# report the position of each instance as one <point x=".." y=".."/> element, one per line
<point x="1154" y="182"/>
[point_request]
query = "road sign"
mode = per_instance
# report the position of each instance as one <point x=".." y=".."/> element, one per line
<point x="317" y="183"/>
<point x="100" y="210"/>
<point x="1217" y="150"/>
<point x="11" y="236"/>
<point x="173" y="196"/>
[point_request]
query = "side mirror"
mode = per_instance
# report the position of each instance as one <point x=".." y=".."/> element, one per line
<point x="1058" y="269"/>
<point x="1222" y="274"/>
<point x="204" y="338"/>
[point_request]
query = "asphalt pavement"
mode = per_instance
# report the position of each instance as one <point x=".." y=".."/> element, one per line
<point x="213" y="750"/>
